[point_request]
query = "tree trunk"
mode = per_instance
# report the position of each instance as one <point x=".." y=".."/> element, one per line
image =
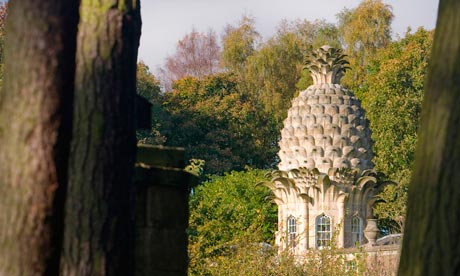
<point x="431" y="243"/>
<point x="98" y="223"/>
<point x="35" y="128"/>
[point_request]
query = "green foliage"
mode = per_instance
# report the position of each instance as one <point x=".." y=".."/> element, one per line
<point x="367" y="27"/>
<point x="258" y="259"/>
<point x="217" y="123"/>
<point x="248" y="259"/>
<point x="233" y="119"/>
<point x="392" y="94"/>
<point x="238" y="44"/>
<point x="196" y="167"/>
<point x="231" y="232"/>
<point x="392" y="212"/>
<point x="273" y="71"/>
<point x="363" y="31"/>
<point x="149" y="87"/>
<point x="311" y="34"/>
<point x="227" y="211"/>
<point x="273" y="74"/>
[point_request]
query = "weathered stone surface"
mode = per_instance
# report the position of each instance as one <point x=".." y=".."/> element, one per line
<point x="325" y="168"/>
<point x="162" y="191"/>
<point x="334" y="119"/>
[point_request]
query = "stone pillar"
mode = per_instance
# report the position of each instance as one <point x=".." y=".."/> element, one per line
<point x="341" y="222"/>
<point x="162" y="192"/>
<point x="280" y="234"/>
<point x="306" y="228"/>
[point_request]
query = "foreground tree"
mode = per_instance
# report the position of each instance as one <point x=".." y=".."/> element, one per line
<point x="3" y="13"/>
<point x="35" y="120"/>
<point x="97" y="219"/>
<point x="431" y="245"/>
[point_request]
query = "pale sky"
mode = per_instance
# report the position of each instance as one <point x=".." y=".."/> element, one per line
<point x="167" y="21"/>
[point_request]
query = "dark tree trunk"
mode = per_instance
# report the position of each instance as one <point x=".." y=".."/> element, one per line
<point x="431" y="243"/>
<point x="35" y="128"/>
<point x="98" y="221"/>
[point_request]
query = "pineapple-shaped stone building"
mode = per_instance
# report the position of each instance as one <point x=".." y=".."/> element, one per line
<point x="325" y="186"/>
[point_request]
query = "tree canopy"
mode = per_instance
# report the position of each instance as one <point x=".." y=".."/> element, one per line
<point x="364" y="30"/>
<point x="148" y="86"/>
<point x="196" y="55"/>
<point x="217" y="123"/>
<point x="239" y="42"/>
<point x="228" y="211"/>
<point x="392" y="94"/>
<point x="233" y="118"/>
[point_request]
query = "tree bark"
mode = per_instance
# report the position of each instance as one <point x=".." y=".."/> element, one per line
<point x="98" y="233"/>
<point x="35" y="129"/>
<point x="431" y="243"/>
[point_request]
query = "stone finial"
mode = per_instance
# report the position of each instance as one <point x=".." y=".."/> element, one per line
<point x="326" y="64"/>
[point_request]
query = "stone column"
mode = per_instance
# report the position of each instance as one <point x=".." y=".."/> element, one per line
<point x="280" y="234"/>
<point x="306" y="230"/>
<point x="341" y="217"/>
<point x="162" y="192"/>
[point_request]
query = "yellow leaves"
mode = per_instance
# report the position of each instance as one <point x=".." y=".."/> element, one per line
<point x="127" y="5"/>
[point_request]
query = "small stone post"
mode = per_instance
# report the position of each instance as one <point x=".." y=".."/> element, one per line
<point x="161" y="211"/>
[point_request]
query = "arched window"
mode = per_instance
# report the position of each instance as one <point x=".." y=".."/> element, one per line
<point x="356" y="230"/>
<point x="291" y="232"/>
<point x="323" y="231"/>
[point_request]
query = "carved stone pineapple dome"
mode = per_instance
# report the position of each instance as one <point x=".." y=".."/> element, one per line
<point x="326" y="127"/>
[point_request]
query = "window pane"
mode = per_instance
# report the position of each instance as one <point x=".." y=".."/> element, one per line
<point x="356" y="229"/>
<point x="323" y="231"/>
<point x="292" y="232"/>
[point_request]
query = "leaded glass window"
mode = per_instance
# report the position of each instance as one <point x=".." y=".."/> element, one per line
<point x="356" y="230"/>
<point x="323" y="231"/>
<point x="291" y="232"/>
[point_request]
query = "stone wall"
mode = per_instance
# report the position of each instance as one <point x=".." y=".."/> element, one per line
<point x="162" y="191"/>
